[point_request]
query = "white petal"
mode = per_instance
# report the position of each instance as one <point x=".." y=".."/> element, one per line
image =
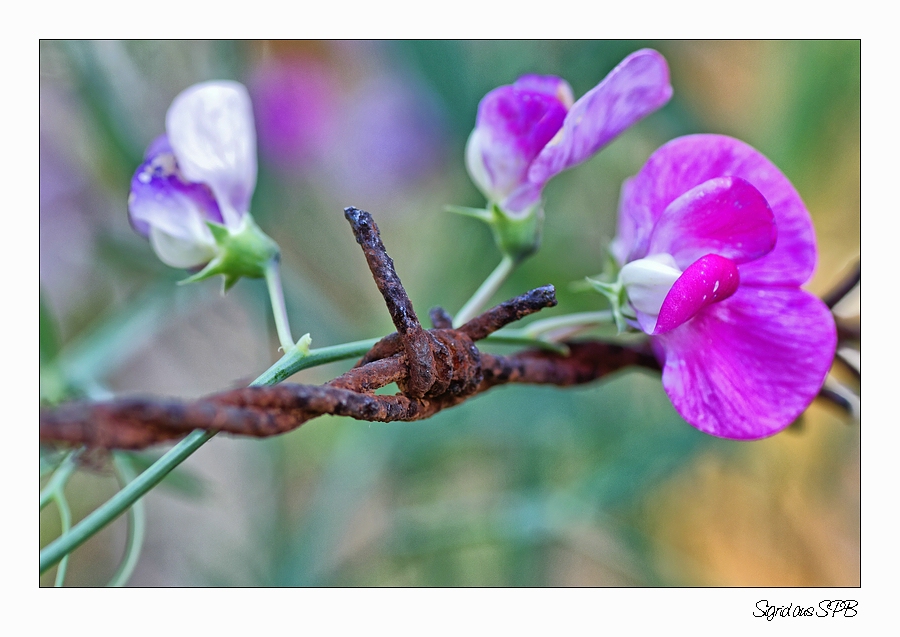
<point x="648" y="281"/>
<point x="178" y="252"/>
<point x="210" y="127"/>
<point x="475" y="164"/>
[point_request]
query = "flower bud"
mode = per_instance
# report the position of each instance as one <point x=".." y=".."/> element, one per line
<point x="191" y="195"/>
<point x="530" y="131"/>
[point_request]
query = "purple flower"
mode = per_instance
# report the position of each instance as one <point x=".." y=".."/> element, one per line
<point x="714" y="244"/>
<point x="530" y="131"/>
<point x="202" y="170"/>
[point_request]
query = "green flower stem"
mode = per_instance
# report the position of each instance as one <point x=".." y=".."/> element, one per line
<point x="578" y="319"/>
<point x="295" y="361"/>
<point x="137" y="524"/>
<point x="486" y="291"/>
<point x="520" y="337"/>
<point x="55" y="492"/>
<point x="65" y="523"/>
<point x="289" y="364"/>
<point x="547" y="333"/>
<point x="279" y="309"/>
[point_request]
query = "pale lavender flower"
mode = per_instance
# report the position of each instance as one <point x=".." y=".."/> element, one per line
<point x="714" y="244"/>
<point x="532" y="130"/>
<point x="202" y="170"/>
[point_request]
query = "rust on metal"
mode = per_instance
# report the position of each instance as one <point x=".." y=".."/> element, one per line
<point x="434" y="369"/>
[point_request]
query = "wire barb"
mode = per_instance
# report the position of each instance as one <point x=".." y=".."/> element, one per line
<point x="434" y="369"/>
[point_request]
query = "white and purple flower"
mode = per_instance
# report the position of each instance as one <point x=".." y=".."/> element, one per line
<point x="532" y="130"/>
<point x="714" y="243"/>
<point x="191" y="195"/>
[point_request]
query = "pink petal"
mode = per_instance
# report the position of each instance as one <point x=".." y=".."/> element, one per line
<point x="638" y="86"/>
<point x="512" y="127"/>
<point x="687" y="162"/>
<point x="549" y="85"/>
<point x="726" y="216"/>
<point x="634" y="226"/>
<point x="745" y="368"/>
<point x="708" y="280"/>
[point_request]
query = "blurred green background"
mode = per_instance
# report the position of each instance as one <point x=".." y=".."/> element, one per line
<point x="599" y="485"/>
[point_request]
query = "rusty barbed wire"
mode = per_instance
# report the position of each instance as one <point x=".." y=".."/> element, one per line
<point x="434" y="369"/>
<point x="843" y="287"/>
<point x="849" y="333"/>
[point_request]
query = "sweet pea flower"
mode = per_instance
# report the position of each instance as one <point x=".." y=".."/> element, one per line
<point x="714" y="243"/>
<point x="191" y="195"/>
<point x="532" y="130"/>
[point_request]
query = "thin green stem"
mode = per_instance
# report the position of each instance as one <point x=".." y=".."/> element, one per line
<point x="486" y="291"/>
<point x="137" y="524"/>
<point x="65" y="523"/>
<point x="547" y="333"/>
<point x="577" y="319"/>
<point x="116" y="505"/>
<point x="288" y="365"/>
<point x="58" y="480"/>
<point x="520" y="337"/>
<point x="279" y="309"/>
<point x="297" y="360"/>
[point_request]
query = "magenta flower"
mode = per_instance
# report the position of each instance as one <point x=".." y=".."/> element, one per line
<point x="714" y="244"/>
<point x="202" y="170"/>
<point x="530" y="131"/>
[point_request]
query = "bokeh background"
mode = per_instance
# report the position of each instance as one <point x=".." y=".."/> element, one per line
<point x="599" y="485"/>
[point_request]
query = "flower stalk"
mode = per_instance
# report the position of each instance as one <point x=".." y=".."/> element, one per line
<point x="485" y="291"/>
<point x="55" y="492"/>
<point x="65" y="523"/>
<point x="579" y="320"/>
<point x="279" y="308"/>
<point x="137" y="524"/>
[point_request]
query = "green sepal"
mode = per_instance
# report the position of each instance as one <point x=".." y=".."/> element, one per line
<point x="476" y="213"/>
<point x="618" y="301"/>
<point x="228" y="282"/>
<point x="219" y="232"/>
<point x="518" y="236"/>
<point x="245" y="252"/>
